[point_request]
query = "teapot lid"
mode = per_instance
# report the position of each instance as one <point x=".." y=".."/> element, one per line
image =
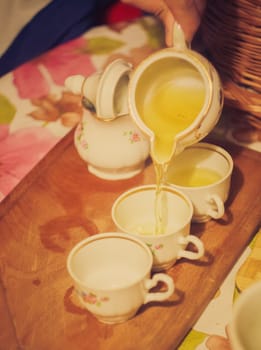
<point x="104" y="92"/>
<point x="112" y="90"/>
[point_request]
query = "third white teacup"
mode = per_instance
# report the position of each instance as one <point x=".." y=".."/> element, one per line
<point x="203" y="172"/>
<point x="135" y="212"/>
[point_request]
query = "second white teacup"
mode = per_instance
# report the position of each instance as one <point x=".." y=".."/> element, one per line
<point x="134" y="212"/>
<point x="203" y="172"/>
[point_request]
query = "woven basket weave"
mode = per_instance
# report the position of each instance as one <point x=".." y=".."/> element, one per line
<point x="231" y="33"/>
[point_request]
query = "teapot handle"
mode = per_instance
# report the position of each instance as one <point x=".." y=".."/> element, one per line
<point x="179" y="41"/>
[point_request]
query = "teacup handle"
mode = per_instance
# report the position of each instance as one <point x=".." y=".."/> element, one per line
<point x="179" y="41"/>
<point x="159" y="296"/>
<point x="188" y="254"/>
<point x="216" y="209"/>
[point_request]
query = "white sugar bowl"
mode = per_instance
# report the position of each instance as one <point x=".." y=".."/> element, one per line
<point x="107" y="138"/>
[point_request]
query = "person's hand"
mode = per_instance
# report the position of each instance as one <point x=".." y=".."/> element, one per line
<point x="216" y="342"/>
<point x="187" y="13"/>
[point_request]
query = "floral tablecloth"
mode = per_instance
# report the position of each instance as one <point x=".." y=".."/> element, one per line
<point x="36" y="112"/>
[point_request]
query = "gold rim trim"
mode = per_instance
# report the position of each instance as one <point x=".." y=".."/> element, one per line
<point x="214" y="149"/>
<point x="217" y="149"/>
<point x="165" y="188"/>
<point x="124" y="236"/>
<point x="91" y="239"/>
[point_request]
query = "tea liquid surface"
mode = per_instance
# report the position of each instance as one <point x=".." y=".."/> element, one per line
<point x="193" y="177"/>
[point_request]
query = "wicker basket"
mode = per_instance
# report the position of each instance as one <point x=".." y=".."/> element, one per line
<point x="231" y="33"/>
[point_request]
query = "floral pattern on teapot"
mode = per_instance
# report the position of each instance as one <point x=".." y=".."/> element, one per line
<point x="133" y="136"/>
<point x="79" y="133"/>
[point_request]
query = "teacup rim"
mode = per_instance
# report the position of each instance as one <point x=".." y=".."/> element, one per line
<point x="212" y="147"/>
<point x="166" y="187"/>
<point x="103" y="235"/>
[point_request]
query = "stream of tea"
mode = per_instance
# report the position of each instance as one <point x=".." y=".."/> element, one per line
<point x="169" y="109"/>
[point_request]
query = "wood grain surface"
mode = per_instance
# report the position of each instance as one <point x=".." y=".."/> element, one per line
<point x="58" y="204"/>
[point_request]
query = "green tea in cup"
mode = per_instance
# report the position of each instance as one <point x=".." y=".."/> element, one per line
<point x="193" y="176"/>
<point x="203" y="172"/>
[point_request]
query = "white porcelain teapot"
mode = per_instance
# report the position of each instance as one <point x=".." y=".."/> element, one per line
<point x="175" y="96"/>
<point x="107" y="137"/>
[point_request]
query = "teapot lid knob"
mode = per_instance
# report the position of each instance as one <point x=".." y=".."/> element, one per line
<point x="87" y="87"/>
<point x="74" y="83"/>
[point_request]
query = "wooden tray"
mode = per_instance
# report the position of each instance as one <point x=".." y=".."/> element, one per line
<point x="60" y="203"/>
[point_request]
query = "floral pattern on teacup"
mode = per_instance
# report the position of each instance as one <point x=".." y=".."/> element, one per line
<point x="155" y="248"/>
<point x="92" y="298"/>
<point x="133" y="136"/>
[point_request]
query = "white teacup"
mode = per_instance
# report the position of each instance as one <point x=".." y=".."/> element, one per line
<point x="244" y="330"/>
<point x="133" y="212"/>
<point x="111" y="274"/>
<point x="203" y="172"/>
